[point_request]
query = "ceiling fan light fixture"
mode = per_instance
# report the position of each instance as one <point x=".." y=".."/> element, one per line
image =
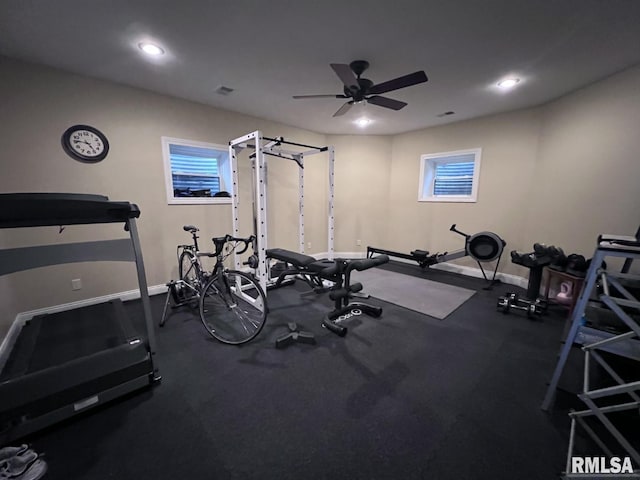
<point x="151" y="49"/>
<point x="508" y="83"/>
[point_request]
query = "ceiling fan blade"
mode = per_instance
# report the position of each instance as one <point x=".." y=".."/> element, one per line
<point x="400" y="82"/>
<point x="343" y="109"/>
<point x="346" y="75"/>
<point x="386" y="102"/>
<point x="320" y="96"/>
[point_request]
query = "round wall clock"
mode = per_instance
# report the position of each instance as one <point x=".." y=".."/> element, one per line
<point x="85" y="143"/>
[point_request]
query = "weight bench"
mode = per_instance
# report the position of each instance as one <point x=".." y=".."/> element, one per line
<point x="336" y="271"/>
<point x="303" y="266"/>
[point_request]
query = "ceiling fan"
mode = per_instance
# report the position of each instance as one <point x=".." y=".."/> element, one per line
<point x="364" y="90"/>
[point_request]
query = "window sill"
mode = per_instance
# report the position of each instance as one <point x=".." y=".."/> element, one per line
<point x="449" y="199"/>
<point x="200" y="201"/>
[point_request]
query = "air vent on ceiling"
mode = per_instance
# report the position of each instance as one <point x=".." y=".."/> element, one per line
<point x="446" y="114"/>
<point x="222" y="90"/>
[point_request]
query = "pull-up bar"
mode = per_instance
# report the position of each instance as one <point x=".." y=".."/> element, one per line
<point x="280" y="140"/>
<point x="279" y="155"/>
<point x="297" y="160"/>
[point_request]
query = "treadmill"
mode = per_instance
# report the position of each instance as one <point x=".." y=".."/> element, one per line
<point x="61" y="364"/>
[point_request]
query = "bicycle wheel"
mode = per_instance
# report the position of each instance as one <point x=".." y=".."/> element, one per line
<point x="188" y="268"/>
<point x="189" y="271"/>
<point x="233" y="307"/>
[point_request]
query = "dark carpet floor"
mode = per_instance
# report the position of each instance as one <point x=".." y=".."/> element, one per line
<point x="404" y="396"/>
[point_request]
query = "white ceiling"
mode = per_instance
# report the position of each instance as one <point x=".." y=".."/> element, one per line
<point x="272" y="49"/>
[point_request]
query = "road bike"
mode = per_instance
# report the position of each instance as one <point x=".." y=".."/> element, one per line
<point x="231" y="303"/>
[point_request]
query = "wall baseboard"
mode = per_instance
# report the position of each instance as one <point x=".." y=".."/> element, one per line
<point x="23" y="317"/>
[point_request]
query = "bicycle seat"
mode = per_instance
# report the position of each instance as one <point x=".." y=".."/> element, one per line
<point x="190" y="228"/>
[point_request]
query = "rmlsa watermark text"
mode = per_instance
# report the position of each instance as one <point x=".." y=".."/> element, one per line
<point x="601" y="465"/>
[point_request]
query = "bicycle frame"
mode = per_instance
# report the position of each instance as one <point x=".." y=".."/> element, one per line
<point x="218" y="268"/>
<point x="196" y="264"/>
<point x="236" y="297"/>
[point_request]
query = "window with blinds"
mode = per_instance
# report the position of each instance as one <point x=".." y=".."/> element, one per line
<point x="450" y="176"/>
<point x="196" y="172"/>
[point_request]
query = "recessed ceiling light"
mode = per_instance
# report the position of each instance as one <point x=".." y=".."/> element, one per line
<point x="151" y="49"/>
<point x="363" y="122"/>
<point x="508" y="83"/>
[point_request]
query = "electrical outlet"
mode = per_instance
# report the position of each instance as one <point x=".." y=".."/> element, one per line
<point x="358" y="242"/>
<point x="308" y="244"/>
<point x="76" y="284"/>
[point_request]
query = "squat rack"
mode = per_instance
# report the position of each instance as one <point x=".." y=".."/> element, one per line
<point x="263" y="147"/>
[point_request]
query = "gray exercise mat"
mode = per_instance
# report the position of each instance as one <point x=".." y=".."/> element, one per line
<point x="425" y="296"/>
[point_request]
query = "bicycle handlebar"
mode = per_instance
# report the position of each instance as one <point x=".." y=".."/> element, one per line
<point x="247" y="242"/>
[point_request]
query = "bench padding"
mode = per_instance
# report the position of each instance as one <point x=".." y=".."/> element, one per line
<point x="323" y="268"/>
<point x="294" y="258"/>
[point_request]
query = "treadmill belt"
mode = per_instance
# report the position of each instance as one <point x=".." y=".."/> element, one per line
<point x="56" y="338"/>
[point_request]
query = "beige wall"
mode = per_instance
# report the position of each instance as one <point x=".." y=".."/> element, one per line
<point x="509" y="145"/>
<point x="38" y="104"/>
<point x="361" y="190"/>
<point x="588" y="169"/>
<point x="560" y="173"/>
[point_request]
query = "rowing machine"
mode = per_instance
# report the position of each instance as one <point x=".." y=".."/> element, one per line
<point x="482" y="247"/>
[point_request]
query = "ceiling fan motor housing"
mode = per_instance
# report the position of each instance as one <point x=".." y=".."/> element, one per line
<point x="358" y="94"/>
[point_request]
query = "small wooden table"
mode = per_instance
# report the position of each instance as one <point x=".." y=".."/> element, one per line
<point x="576" y="285"/>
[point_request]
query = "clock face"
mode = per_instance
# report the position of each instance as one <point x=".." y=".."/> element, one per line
<point x="85" y="143"/>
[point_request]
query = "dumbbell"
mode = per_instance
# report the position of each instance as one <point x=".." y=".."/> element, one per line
<point x="511" y="301"/>
<point x="541" y="305"/>
<point x="504" y="303"/>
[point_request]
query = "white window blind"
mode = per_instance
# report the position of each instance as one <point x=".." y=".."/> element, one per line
<point x="454" y="178"/>
<point x="195" y="171"/>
